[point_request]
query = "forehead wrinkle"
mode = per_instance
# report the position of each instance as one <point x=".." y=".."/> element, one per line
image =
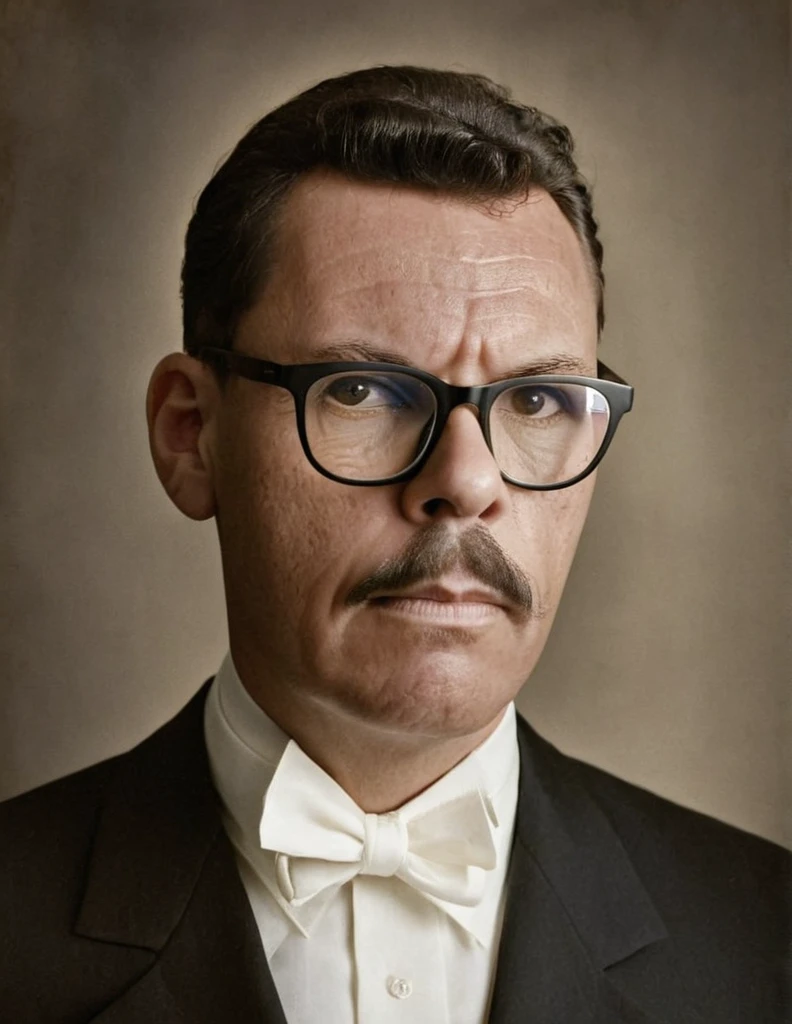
<point x="477" y="321"/>
<point x="392" y="284"/>
<point x="560" y="288"/>
<point x="376" y="263"/>
<point x="329" y="219"/>
<point x="346" y="267"/>
<point x="505" y="259"/>
<point x="533" y="318"/>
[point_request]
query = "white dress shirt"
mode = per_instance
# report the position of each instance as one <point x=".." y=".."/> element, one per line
<point x="373" y="950"/>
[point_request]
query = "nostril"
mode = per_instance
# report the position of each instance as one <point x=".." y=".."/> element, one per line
<point x="431" y="506"/>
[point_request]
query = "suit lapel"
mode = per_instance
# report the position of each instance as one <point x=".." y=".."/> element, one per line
<point x="162" y="877"/>
<point x="575" y="906"/>
<point x="213" y="967"/>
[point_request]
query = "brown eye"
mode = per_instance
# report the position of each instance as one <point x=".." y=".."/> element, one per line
<point x="529" y="401"/>
<point x="349" y="392"/>
<point x="536" y="402"/>
<point x="373" y="393"/>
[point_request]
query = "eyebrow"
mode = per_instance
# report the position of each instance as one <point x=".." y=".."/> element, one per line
<point x="358" y="350"/>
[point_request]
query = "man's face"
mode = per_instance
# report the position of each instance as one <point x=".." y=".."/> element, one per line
<point x="470" y="296"/>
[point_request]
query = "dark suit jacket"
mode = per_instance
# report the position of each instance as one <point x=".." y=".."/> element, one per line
<point x="120" y="902"/>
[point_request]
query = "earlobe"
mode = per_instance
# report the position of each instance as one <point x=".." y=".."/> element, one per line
<point x="179" y="405"/>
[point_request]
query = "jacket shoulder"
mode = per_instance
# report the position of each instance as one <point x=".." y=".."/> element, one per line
<point x="51" y="971"/>
<point x="55" y="818"/>
<point x="713" y="884"/>
<point x="722" y="894"/>
<point x="651" y="825"/>
<point x="64" y="811"/>
<point x="47" y="836"/>
<point x="646" y="821"/>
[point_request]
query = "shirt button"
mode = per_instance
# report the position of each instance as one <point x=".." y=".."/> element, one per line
<point x="400" y="988"/>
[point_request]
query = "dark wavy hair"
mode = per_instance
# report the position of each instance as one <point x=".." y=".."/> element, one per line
<point x="444" y="131"/>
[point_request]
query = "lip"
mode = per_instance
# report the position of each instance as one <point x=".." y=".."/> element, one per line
<point x="443" y="593"/>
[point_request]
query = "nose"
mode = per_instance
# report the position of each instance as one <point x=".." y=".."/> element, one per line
<point x="460" y="479"/>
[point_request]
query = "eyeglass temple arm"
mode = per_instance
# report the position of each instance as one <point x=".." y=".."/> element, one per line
<point x="245" y="366"/>
<point x="605" y="373"/>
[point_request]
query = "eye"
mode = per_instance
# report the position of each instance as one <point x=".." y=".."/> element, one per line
<point x="348" y="391"/>
<point x="537" y="402"/>
<point x="368" y="393"/>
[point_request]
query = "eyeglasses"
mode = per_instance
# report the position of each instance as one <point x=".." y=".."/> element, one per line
<point x="370" y="424"/>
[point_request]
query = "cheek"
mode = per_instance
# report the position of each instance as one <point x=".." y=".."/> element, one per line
<point x="549" y="524"/>
<point x="285" y="525"/>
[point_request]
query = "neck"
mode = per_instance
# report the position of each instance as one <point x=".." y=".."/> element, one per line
<point x="379" y="766"/>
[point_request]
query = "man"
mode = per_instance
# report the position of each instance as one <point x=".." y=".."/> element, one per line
<point x="391" y="403"/>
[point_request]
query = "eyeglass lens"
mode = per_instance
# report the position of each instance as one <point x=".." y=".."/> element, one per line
<point x="372" y="425"/>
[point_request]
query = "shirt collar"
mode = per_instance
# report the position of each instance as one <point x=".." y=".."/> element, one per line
<point x="245" y="746"/>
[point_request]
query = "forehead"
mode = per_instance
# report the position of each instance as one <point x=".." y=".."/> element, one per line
<point x="397" y="265"/>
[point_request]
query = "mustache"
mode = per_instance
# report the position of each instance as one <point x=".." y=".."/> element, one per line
<point x="438" y="550"/>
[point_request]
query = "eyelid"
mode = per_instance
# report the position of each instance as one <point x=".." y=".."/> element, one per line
<point x="406" y="389"/>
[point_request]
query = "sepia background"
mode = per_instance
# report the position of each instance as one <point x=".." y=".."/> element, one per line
<point x="670" y="661"/>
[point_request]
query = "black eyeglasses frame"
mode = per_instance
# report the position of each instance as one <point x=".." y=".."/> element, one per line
<point x="298" y="378"/>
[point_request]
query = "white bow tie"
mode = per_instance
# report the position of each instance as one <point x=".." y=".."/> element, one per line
<point x="440" y="842"/>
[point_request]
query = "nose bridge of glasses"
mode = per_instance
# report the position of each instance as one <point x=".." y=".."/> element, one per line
<point x="458" y="396"/>
<point x="470" y="406"/>
<point x="476" y="398"/>
<point x="463" y="399"/>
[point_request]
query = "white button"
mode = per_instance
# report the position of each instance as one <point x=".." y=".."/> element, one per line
<point x="399" y="987"/>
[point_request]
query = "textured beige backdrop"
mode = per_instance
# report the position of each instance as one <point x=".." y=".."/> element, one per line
<point x="670" y="661"/>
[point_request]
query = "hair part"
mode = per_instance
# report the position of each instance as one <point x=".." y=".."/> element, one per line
<point x="448" y="132"/>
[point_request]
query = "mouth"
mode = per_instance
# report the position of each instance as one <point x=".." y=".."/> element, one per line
<point x="441" y="602"/>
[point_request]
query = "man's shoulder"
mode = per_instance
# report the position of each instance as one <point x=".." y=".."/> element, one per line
<point x="83" y="860"/>
<point x="636" y="812"/>
<point x="649" y="824"/>
<point x="47" y="835"/>
<point x="58" y="815"/>
<point x="55" y="811"/>
<point x="696" y="867"/>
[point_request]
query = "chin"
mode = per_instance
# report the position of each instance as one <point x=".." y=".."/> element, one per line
<point x="444" y="700"/>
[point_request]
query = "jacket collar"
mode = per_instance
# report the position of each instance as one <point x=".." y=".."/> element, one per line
<point x="162" y="877"/>
<point x="575" y="905"/>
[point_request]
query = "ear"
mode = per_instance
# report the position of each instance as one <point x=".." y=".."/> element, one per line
<point x="181" y="406"/>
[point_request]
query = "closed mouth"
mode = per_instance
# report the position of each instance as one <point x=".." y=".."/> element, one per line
<point x="443" y="603"/>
